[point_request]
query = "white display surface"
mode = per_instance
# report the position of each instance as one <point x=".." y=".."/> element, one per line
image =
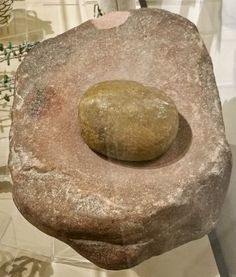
<point x="23" y="248"/>
<point x="21" y="242"/>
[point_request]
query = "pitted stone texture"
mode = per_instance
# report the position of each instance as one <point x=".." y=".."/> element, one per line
<point x="127" y="121"/>
<point x="118" y="214"/>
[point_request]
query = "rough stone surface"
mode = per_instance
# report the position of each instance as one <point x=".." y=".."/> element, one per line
<point x="127" y="121"/>
<point x="118" y="214"/>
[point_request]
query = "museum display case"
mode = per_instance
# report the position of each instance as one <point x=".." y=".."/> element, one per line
<point x="23" y="247"/>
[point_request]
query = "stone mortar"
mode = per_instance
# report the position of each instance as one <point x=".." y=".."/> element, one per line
<point x="117" y="214"/>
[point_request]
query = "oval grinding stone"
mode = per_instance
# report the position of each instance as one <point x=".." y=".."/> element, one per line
<point x="118" y="213"/>
<point x="127" y="121"/>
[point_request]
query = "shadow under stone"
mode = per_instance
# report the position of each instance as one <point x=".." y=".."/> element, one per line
<point x="25" y="266"/>
<point x="177" y="150"/>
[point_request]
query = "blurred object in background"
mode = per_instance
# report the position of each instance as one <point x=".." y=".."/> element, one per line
<point x="5" y="11"/>
<point x="143" y="3"/>
<point x="116" y="5"/>
<point x="229" y="13"/>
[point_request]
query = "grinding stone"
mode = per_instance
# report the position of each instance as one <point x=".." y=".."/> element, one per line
<point x="127" y="121"/>
<point x="118" y="214"/>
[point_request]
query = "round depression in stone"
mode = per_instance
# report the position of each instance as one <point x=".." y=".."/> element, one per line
<point x="127" y="121"/>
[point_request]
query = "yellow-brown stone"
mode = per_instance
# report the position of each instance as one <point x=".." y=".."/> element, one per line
<point x="127" y="121"/>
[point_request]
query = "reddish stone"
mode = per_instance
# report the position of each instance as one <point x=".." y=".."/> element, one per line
<point x="118" y="214"/>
